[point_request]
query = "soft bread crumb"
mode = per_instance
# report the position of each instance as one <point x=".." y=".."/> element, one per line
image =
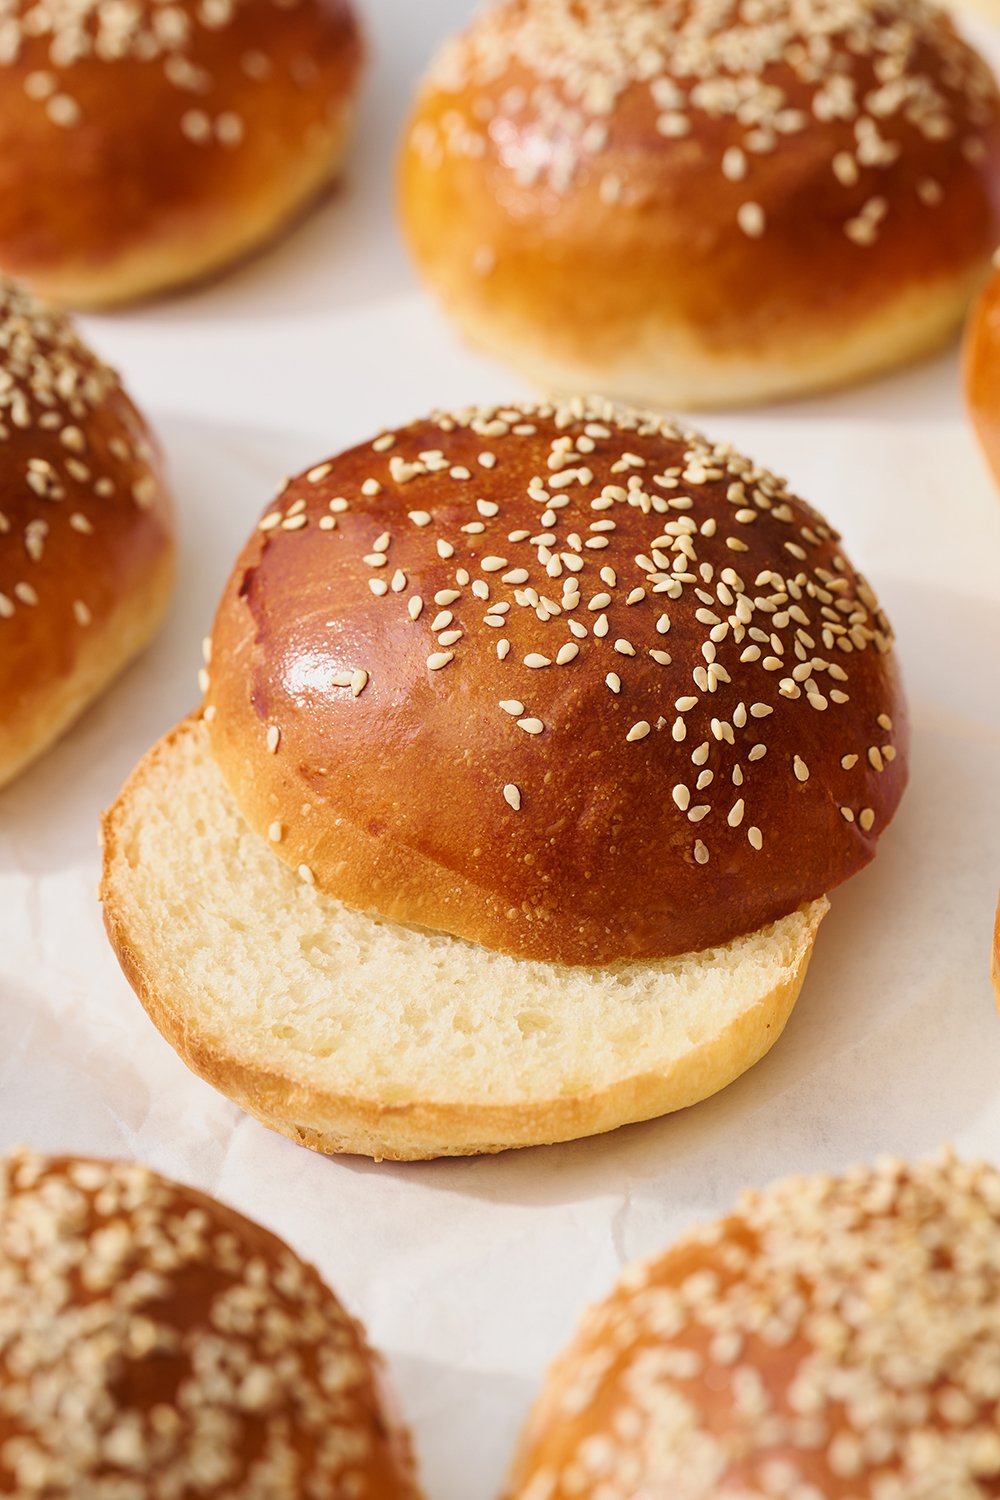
<point x="251" y="972"/>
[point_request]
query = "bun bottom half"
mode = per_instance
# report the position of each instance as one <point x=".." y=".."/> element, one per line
<point x="350" y="1033"/>
<point x="670" y="367"/>
<point x="43" y="710"/>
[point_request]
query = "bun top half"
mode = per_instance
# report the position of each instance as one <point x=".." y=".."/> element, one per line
<point x="561" y="679"/>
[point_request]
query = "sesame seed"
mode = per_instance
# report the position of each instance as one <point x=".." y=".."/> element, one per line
<point x="755" y="838"/>
<point x="512" y="796"/>
<point x="567" y="652"/>
<point x="419" y="517"/>
<point x="750" y="218"/>
<point x="273" y="738"/>
<point x="638" y="731"/>
<point x="531" y="726"/>
<point x="439" y="659"/>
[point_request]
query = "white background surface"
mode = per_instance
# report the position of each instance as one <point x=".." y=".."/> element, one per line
<point x="469" y="1275"/>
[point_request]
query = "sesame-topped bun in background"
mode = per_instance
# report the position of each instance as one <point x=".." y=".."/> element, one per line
<point x="154" y="1343"/>
<point x="144" y="145"/>
<point x="86" y="527"/>
<point x="982" y="370"/>
<point x="690" y="203"/>
<point x="533" y="739"/>
<point x="832" y="1339"/>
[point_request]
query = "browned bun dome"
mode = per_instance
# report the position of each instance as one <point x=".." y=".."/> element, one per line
<point x="703" y="202"/>
<point x="834" y="1339"/>
<point x="563" y="680"/>
<point x="86" y="527"/>
<point x="146" y="144"/>
<point x="155" y="1344"/>
<point x="982" y="370"/>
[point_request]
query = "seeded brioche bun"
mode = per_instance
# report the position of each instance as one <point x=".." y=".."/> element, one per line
<point x="145" y="145"/>
<point x="834" y="1338"/>
<point x="687" y="203"/>
<point x="982" y="370"/>
<point x="154" y="1343"/>
<point x="86" y="528"/>
<point x="549" y="726"/>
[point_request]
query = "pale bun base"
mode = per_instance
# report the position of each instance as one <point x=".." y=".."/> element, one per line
<point x="199" y="246"/>
<point x="669" y="367"/>
<point x="351" y="1033"/>
<point x="30" y="727"/>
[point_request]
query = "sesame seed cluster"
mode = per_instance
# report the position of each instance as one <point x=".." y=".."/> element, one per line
<point x="561" y="91"/>
<point x="837" y="1338"/>
<point x="154" y="1346"/>
<point x="175" y="36"/>
<point x="75" y="458"/>
<point x="597" y="641"/>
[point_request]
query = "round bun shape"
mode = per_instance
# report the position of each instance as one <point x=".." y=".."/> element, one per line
<point x="145" y="145"/>
<point x="561" y="680"/>
<point x="86" y="528"/>
<point x="155" y="1345"/>
<point x="348" y="1032"/>
<point x="704" y="202"/>
<point x="982" y="370"/>
<point x="835" y="1338"/>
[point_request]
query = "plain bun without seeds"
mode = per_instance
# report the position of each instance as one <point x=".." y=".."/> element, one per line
<point x="582" y="706"/>
<point x="155" y="1345"/>
<point x="689" y="204"/>
<point x="835" y="1338"/>
<point x="86" y="527"/>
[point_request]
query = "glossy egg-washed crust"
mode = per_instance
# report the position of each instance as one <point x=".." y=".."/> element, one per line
<point x="86" y="527"/>
<point x="982" y="370"/>
<point x="561" y="680"/>
<point x="832" y="1339"/>
<point x="155" y="1343"/>
<point x="682" y="201"/>
<point x="147" y="144"/>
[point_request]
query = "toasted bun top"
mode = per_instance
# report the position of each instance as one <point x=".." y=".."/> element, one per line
<point x="120" y="121"/>
<point x="563" y="680"/>
<point x="734" y="163"/>
<point x="84" y="513"/>
<point x="154" y="1343"/>
<point x="835" y="1338"/>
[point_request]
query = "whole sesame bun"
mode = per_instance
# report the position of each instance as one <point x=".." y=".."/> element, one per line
<point x="86" y="528"/>
<point x="142" y="146"/>
<point x="155" y="1343"/>
<point x="834" y="1338"/>
<point x="524" y="720"/>
<point x="686" y="203"/>
<point x="982" y="370"/>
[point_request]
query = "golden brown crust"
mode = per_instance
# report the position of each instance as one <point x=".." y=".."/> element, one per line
<point x="982" y="370"/>
<point x="625" y="190"/>
<point x="151" y="1336"/>
<point x="146" y="146"/>
<point x="832" y="1338"/>
<point x="86" y="527"/>
<point x="719" y="734"/>
<point x="333" y="1122"/>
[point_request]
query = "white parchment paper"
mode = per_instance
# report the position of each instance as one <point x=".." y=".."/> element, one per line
<point x="469" y="1275"/>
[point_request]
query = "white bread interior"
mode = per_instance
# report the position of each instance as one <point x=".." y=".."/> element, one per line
<point x="351" y="1033"/>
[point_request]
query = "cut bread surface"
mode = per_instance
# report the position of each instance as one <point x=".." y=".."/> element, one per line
<point x="353" y="1033"/>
